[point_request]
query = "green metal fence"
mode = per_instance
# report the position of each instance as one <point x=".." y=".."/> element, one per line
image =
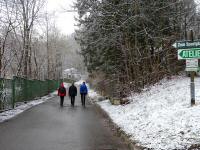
<point x="5" y="94"/>
<point x="18" y="89"/>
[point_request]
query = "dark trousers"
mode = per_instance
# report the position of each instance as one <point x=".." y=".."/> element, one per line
<point x="72" y="100"/>
<point x="83" y="99"/>
<point x="61" y="100"/>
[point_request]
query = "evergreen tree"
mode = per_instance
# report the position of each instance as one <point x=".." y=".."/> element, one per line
<point x="130" y="41"/>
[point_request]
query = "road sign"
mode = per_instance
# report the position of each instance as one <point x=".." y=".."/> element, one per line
<point x="192" y="69"/>
<point x="193" y="53"/>
<point x="187" y="44"/>
<point x="189" y="50"/>
<point x="192" y="65"/>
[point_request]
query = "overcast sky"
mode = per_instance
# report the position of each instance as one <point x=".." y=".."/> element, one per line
<point x="64" y="20"/>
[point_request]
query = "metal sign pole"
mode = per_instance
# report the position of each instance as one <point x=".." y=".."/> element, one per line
<point x="192" y="88"/>
<point x="192" y="85"/>
<point x="190" y="51"/>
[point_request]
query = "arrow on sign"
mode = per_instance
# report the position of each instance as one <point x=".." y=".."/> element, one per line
<point x="175" y="45"/>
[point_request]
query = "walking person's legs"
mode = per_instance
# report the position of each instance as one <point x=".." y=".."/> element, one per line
<point x="82" y="96"/>
<point x="83" y="99"/>
<point x="61" y="100"/>
<point x="71" y="100"/>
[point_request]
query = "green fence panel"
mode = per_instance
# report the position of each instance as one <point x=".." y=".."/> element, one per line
<point x="19" y="90"/>
<point x="5" y="94"/>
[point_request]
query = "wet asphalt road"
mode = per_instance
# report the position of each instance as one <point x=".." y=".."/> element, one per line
<point x="49" y="127"/>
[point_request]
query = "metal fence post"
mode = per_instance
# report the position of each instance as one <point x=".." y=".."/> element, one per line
<point x="13" y="92"/>
<point x="1" y="93"/>
<point x="25" y="89"/>
<point x="48" y="86"/>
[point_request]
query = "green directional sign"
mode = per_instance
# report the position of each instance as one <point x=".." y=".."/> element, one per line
<point x="187" y="44"/>
<point x="189" y="53"/>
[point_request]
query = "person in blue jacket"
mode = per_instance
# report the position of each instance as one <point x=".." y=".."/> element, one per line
<point x="83" y="92"/>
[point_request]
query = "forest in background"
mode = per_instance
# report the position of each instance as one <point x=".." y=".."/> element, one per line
<point x="127" y="44"/>
<point x="31" y="46"/>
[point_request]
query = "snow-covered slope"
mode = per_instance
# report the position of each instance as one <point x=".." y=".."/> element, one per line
<point x="161" y="117"/>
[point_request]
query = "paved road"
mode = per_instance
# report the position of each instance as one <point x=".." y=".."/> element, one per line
<point x="49" y="127"/>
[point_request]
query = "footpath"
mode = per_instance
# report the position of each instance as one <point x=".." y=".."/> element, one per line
<point x="49" y="127"/>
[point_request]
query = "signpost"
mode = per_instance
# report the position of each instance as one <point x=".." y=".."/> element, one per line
<point x="190" y="51"/>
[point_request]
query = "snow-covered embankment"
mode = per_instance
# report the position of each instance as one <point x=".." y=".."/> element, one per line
<point x="161" y="116"/>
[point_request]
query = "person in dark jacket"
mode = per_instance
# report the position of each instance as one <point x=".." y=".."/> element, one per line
<point x="72" y="93"/>
<point x="83" y="92"/>
<point x="62" y="93"/>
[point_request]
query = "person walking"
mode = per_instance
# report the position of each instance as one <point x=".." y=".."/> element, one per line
<point x="72" y="93"/>
<point x="83" y="92"/>
<point x="62" y="93"/>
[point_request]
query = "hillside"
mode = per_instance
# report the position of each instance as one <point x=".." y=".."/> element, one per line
<point x="161" y="116"/>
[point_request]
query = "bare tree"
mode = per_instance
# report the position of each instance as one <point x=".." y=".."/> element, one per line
<point x="8" y="25"/>
<point x="28" y="11"/>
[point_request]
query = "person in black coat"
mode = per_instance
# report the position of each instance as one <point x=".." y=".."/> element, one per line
<point x="72" y="93"/>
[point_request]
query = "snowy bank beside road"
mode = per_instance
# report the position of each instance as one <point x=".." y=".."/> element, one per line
<point x="93" y="96"/>
<point x="160" y="117"/>
<point x="21" y="108"/>
<point x="18" y="110"/>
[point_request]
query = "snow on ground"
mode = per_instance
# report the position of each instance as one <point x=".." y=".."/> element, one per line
<point x="21" y="108"/>
<point x="67" y="85"/>
<point x="93" y="96"/>
<point x="161" y="117"/>
<point x="79" y="82"/>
